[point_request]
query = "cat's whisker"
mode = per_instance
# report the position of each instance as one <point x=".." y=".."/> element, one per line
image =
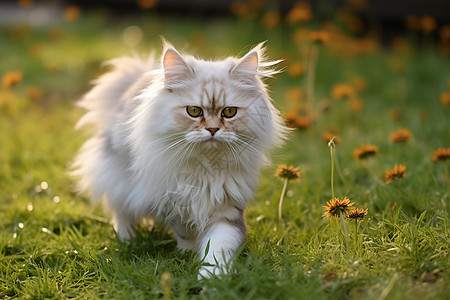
<point x="248" y="145"/>
<point x="159" y="152"/>
<point x="179" y="160"/>
<point x="174" y="144"/>
<point x="160" y="141"/>
<point x="164" y="140"/>
<point x="249" y="139"/>
<point x="167" y="138"/>
<point x="238" y="154"/>
<point x="234" y="151"/>
<point x="243" y="155"/>
<point x="186" y="153"/>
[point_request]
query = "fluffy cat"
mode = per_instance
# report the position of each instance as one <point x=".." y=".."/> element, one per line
<point x="181" y="140"/>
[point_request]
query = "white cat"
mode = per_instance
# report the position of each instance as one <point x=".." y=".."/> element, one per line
<point x="182" y="142"/>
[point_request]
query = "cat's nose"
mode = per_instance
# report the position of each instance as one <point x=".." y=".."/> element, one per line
<point x="212" y="130"/>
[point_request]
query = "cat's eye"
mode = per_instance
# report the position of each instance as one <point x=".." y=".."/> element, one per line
<point x="229" y="112"/>
<point x="194" y="111"/>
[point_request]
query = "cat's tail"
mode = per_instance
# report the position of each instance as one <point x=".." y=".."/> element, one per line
<point x="95" y="171"/>
<point x="104" y="101"/>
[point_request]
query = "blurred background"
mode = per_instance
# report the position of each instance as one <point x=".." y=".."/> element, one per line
<point x="75" y="36"/>
<point x="359" y="50"/>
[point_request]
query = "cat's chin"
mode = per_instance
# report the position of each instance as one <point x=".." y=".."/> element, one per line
<point x="211" y="140"/>
<point x="219" y="138"/>
<point x="211" y="143"/>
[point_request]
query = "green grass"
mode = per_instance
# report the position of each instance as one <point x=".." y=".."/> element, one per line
<point x="54" y="244"/>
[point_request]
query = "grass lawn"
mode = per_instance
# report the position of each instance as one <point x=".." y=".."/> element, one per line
<point x="54" y="244"/>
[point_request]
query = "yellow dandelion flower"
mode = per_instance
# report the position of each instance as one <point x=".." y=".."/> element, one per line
<point x="301" y="12"/>
<point x="325" y="105"/>
<point x="36" y="49"/>
<point x="335" y="207"/>
<point x="398" y="67"/>
<point x="351" y="21"/>
<point x="303" y="122"/>
<point x="444" y="33"/>
<point x="295" y="120"/>
<point x="358" y="4"/>
<point x="271" y="19"/>
<point x="356" y="104"/>
<point x="35" y="93"/>
<point x="365" y="151"/>
<point x="357" y="214"/>
<point x="441" y="154"/>
<point x="299" y="36"/>
<point x="290" y="118"/>
<point x="402" y="135"/>
<point x="445" y="98"/>
<point x="359" y="83"/>
<point x="146" y="4"/>
<point x="12" y="78"/>
<point x="258" y="5"/>
<point x="296" y="69"/>
<point x="394" y="115"/>
<point x="423" y="115"/>
<point x="394" y="174"/>
<point x="25" y="3"/>
<point x="343" y="91"/>
<point x="319" y="37"/>
<point x="294" y="94"/>
<point x="71" y="13"/>
<point x="288" y="173"/>
<point x="413" y="22"/>
<point x="400" y="45"/>
<point x="428" y="24"/>
<point x="239" y="8"/>
<point x="19" y="32"/>
<point x="244" y="10"/>
<point x="54" y="34"/>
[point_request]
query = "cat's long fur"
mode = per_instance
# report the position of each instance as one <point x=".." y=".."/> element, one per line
<point x="149" y="157"/>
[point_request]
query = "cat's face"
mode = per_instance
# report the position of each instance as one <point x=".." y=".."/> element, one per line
<point x="220" y="104"/>
<point x="211" y="111"/>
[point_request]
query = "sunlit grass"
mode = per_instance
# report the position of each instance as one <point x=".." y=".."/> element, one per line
<point x="53" y="243"/>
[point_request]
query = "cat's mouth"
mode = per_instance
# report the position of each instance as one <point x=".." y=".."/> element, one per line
<point x="209" y="139"/>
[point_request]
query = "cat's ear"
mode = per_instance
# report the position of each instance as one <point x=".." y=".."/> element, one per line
<point x="246" y="68"/>
<point x="175" y="68"/>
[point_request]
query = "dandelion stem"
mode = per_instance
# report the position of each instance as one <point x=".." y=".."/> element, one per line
<point x="334" y="159"/>
<point x="345" y="230"/>
<point x="332" y="145"/>
<point x="447" y="174"/>
<point x="312" y="66"/>
<point x="377" y="179"/>
<point x="402" y="92"/>
<point x="338" y="168"/>
<point x="280" y="220"/>
<point x="332" y="173"/>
